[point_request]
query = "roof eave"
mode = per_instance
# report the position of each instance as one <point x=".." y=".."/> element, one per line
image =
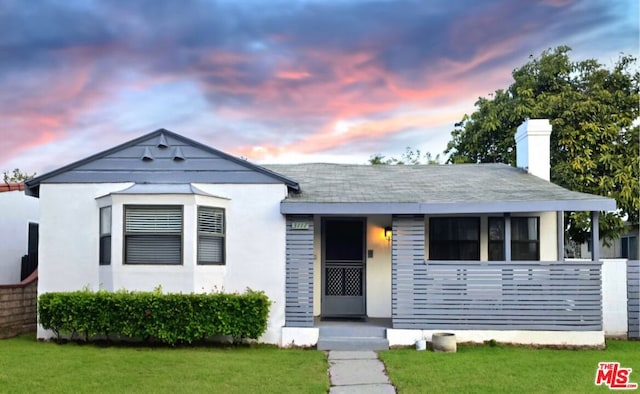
<point x="399" y="208"/>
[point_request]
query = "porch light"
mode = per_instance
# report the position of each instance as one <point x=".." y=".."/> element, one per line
<point x="388" y="233"/>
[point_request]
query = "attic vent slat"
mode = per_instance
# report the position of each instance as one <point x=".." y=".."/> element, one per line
<point x="162" y="142"/>
<point x="147" y="156"/>
<point x="177" y="154"/>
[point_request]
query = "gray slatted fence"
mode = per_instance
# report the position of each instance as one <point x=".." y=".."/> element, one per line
<point x="408" y="290"/>
<point x="533" y="295"/>
<point x="633" y="298"/>
<point x="299" y="272"/>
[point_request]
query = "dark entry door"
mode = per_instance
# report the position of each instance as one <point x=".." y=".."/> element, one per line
<point x="343" y="275"/>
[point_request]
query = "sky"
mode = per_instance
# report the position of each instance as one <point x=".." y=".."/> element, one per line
<point x="274" y="81"/>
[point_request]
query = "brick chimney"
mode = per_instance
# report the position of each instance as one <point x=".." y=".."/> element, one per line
<point x="533" y="141"/>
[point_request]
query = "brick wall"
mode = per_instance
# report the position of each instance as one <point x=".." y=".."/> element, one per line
<point x="18" y="307"/>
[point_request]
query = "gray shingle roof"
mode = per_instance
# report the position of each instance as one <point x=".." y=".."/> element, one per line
<point x="432" y="188"/>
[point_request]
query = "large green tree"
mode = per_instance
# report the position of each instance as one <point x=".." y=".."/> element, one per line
<point x="594" y="143"/>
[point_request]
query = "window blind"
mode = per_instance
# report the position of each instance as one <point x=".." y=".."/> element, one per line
<point x="153" y="234"/>
<point x="210" y="235"/>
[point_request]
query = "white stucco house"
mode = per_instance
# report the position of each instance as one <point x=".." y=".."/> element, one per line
<point x="18" y="230"/>
<point x="474" y="249"/>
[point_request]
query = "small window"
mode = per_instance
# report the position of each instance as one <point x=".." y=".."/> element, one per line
<point x="629" y="247"/>
<point x="211" y="245"/>
<point x="153" y="234"/>
<point x="496" y="239"/>
<point x="105" y="236"/>
<point x="454" y="239"/>
<point x="525" y="238"/>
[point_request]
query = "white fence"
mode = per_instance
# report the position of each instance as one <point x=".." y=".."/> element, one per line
<point x="620" y="297"/>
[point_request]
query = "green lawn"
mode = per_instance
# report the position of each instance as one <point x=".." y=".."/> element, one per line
<point x="506" y="369"/>
<point x="28" y="366"/>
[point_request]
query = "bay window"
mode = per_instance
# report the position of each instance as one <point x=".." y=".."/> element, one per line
<point x="153" y="234"/>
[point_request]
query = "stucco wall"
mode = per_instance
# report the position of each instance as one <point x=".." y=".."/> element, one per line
<point x="16" y="211"/>
<point x="255" y="243"/>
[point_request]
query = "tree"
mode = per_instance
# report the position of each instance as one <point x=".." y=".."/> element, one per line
<point x="594" y="144"/>
<point x="16" y="176"/>
<point x="409" y="157"/>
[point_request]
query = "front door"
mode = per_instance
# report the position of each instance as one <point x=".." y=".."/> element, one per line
<point x="343" y="274"/>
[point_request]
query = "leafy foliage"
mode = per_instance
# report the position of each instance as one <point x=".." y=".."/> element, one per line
<point x="595" y="143"/>
<point x="409" y="157"/>
<point x="16" y="176"/>
<point x="168" y="318"/>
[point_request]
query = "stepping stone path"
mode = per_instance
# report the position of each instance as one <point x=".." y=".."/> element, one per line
<point x="357" y="372"/>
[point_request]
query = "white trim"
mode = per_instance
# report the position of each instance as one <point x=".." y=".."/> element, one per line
<point x="403" y="337"/>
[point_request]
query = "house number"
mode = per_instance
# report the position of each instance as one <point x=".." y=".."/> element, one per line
<point x="300" y="226"/>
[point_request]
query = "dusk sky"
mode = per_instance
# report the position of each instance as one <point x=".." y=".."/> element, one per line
<point x="276" y="81"/>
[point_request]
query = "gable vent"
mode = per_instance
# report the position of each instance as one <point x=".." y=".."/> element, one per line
<point x="147" y="156"/>
<point x="177" y="154"/>
<point x="162" y="142"/>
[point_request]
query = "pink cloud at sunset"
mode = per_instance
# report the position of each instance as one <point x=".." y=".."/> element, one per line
<point x="273" y="80"/>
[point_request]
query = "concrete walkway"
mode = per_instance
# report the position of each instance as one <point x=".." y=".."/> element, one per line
<point x="357" y="372"/>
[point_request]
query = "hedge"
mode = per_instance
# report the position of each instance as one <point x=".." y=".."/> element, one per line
<point x="168" y="318"/>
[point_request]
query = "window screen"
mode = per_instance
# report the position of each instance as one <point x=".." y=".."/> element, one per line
<point x="211" y="236"/>
<point x="153" y="234"/>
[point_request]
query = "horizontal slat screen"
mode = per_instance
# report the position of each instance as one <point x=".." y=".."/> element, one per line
<point x="299" y="272"/>
<point x="153" y="219"/>
<point x="496" y="295"/>
<point x="633" y="298"/>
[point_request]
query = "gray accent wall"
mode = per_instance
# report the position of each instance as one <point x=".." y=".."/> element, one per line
<point x="633" y="298"/>
<point x="299" y="272"/>
<point x="161" y="157"/>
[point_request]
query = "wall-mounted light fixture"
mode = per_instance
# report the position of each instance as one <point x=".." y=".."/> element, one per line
<point x="388" y="233"/>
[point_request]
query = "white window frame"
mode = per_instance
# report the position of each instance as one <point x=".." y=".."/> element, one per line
<point x="105" y="235"/>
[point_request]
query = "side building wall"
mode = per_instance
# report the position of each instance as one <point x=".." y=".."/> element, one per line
<point x="16" y="211"/>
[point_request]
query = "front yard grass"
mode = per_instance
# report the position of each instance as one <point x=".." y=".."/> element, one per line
<point x="506" y="369"/>
<point x="28" y="366"/>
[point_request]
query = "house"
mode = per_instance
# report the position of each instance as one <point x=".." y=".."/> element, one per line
<point x="18" y="231"/>
<point x="624" y="247"/>
<point x="475" y="249"/>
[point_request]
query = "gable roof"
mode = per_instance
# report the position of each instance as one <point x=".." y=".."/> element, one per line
<point x="160" y="157"/>
<point x="421" y="189"/>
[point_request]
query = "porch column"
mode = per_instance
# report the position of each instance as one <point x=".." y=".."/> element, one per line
<point x="595" y="236"/>
<point x="408" y="272"/>
<point x="560" y="224"/>
<point x="299" y="271"/>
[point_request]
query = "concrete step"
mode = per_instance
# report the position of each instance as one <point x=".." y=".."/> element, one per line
<point x="353" y="331"/>
<point x="352" y="343"/>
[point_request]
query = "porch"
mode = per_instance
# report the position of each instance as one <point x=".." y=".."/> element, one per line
<point x="533" y="302"/>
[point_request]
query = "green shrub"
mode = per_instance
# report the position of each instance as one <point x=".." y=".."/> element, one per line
<point x="168" y="318"/>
